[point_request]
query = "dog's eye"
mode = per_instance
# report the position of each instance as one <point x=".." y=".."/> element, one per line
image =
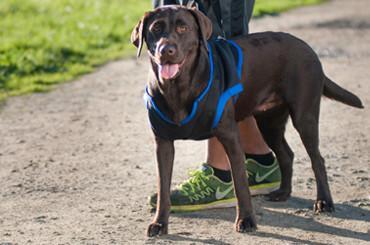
<point x="181" y="29"/>
<point x="156" y="28"/>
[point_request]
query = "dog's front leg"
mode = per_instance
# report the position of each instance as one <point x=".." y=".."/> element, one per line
<point x="228" y="134"/>
<point x="165" y="155"/>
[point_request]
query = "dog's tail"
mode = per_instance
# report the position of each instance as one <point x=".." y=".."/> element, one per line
<point x="335" y="92"/>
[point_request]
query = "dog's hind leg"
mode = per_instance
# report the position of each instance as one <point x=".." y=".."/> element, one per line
<point x="165" y="155"/>
<point x="309" y="133"/>
<point x="285" y="157"/>
<point x="306" y="121"/>
<point x="272" y="128"/>
<point x="302" y="88"/>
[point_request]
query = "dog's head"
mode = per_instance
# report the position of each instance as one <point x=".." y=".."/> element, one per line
<point x="172" y="33"/>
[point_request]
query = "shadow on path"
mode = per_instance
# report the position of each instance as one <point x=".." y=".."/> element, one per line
<point x="305" y="222"/>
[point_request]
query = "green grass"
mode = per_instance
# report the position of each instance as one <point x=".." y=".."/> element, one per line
<point x="45" y="42"/>
<point x="272" y="7"/>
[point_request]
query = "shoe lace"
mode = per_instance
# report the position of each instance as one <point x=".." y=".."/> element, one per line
<point x="249" y="173"/>
<point x="196" y="186"/>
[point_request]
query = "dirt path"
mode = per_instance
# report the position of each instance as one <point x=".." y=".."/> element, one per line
<point x="76" y="164"/>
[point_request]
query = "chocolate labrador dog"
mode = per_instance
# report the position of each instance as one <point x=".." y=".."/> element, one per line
<point x="281" y="76"/>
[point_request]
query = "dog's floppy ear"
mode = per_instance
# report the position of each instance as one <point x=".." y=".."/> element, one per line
<point x="137" y="35"/>
<point x="205" y="25"/>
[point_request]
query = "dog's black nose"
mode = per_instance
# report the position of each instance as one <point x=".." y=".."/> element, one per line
<point x="168" y="50"/>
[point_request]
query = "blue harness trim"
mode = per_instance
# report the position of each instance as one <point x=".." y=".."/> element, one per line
<point x="236" y="89"/>
<point x="223" y="99"/>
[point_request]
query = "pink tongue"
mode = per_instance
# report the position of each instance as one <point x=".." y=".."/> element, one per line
<point x="168" y="71"/>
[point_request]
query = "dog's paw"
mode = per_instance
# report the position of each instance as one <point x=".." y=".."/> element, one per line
<point x="322" y="206"/>
<point x="157" y="229"/>
<point x="246" y="225"/>
<point x="279" y="195"/>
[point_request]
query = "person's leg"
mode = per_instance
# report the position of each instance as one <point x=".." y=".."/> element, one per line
<point x="236" y="15"/>
<point x="216" y="156"/>
<point x="261" y="165"/>
<point x="250" y="138"/>
<point x="259" y="156"/>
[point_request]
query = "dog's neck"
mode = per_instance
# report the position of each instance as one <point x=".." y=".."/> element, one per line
<point x="176" y="97"/>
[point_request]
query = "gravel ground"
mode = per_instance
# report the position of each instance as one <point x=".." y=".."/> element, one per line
<point x="77" y="164"/>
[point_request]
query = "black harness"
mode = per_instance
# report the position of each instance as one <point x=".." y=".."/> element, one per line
<point x="226" y="60"/>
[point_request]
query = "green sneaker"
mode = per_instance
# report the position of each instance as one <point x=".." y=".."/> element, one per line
<point x="262" y="179"/>
<point x="203" y="190"/>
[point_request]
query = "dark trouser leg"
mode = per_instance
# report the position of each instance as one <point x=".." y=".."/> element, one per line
<point x="157" y="3"/>
<point x="235" y="16"/>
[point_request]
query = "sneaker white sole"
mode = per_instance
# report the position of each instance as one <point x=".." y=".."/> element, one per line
<point x="262" y="189"/>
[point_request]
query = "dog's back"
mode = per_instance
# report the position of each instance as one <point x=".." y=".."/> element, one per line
<point x="279" y="68"/>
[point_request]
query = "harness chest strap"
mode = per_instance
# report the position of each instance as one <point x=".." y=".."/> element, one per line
<point x="226" y="61"/>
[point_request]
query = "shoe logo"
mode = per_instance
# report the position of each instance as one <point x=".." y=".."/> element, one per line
<point x="221" y="194"/>
<point x="263" y="177"/>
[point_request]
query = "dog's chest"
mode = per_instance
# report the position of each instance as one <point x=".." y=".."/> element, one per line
<point x="223" y="85"/>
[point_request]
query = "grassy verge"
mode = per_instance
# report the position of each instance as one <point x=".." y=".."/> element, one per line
<point x="44" y="42"/>
<point x="272" y="7"/>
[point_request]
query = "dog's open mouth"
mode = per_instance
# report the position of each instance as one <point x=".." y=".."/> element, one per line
<point x="168" y="71"/>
